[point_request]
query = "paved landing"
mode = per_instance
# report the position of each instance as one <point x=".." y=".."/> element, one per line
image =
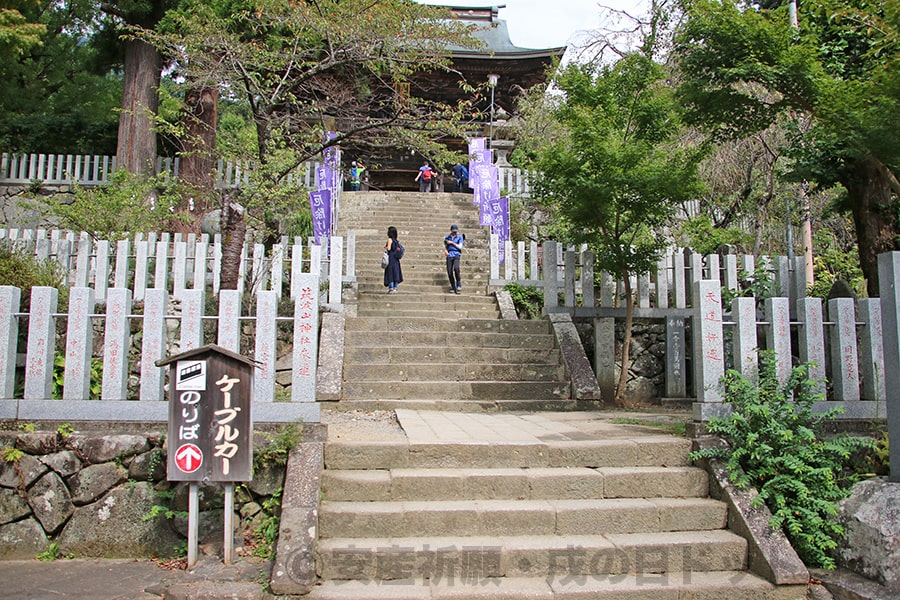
<point x="430" y="427"/>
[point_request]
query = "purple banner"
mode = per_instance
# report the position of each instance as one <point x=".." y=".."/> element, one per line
<point x="324" y="177"/>
<point x="476" y="150"/>
<point x="486" y="189"/>
<point x="498" y="213"/>
<point x="320" y="206"/>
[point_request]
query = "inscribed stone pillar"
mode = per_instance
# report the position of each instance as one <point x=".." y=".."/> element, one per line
<point x="41" y="343"/>
<point x="871" y="349"/>
<point x="889" y="289"/>
<point x="778" y="335"/>
<point x="276" y="271"/>
<point x="265" y="351"/>
<point x="844" y="361"/>
<point x="335" y="269"/>
<point x="192" y="307"/>
<point x="229" y="320"/>
<point x="551" y="282"/>
<point x="709" y="360"/>
<point x="587" y="278"/>
<point x="676" y="360"/>
<point x="746" y="344"/>
<point x="179" y="269"/>
<point x="116" y="345"/>
<point x="153" y="344"/>
<point x="306" y="326"/>
<point x="811" y="337"/>
<point x="10" y="300"/>
<point x="679" y="280"/>
<point x="79" y="344"/>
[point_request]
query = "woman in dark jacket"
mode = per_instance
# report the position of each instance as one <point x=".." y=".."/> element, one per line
<point x="393" y="275"/>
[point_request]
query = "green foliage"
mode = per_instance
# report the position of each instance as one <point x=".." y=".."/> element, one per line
<point x="831" y="263"/>
<point x="163" y="510"/>
<point x="703" y="237"/>
<point x="529" y="302"/>
<point x="265" y="535"/>
<point x="776" y="445"/>
<point x="26" y="428"/>
<point x="22" y="270"/>
<point x="65" y="430"/>
<point x="279" y="446"/>
<point x="619" y="171"/>
<point x="11" y="454"/>
<point x="129" y="204"/>
<point x="51" y="553"/>
<point x="760" y="285"/>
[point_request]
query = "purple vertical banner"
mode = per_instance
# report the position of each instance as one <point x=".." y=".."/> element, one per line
<point x="488" y="189"/>
<point x="320" y="206"/>
<point x="499" y="216"/>
<point x="324" y="180"/>
<point x="476" y="147"/>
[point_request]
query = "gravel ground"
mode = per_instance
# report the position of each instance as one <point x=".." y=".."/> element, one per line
<point x="362" y="425"/>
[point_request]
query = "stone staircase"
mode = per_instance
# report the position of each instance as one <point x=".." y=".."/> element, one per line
<point x="425" y="347"/>
<point x="559" y="516"/>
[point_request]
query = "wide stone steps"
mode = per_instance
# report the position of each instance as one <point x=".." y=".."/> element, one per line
<point x="540" y="556"/>
<point x="467" y="584"/>
<point x="496" y="372"/>
<point x="487" y="393"/>
<point x="644" y="451"/>
<point x="519" y="517"/>
<point x="574" y="483"/>
<point x="405" y="355"/>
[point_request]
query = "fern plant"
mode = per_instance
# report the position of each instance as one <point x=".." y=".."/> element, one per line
<point x="775" y="445"/>
<point x="528" y="301"/>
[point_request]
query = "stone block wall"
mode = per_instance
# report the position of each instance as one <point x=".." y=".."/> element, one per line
<point x="94" y="496"/>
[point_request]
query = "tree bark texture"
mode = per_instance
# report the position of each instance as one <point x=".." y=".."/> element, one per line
<point x="874" y="216"/>
<point x="136" y="149"/>
<point x="197" y="171"/>
<point x="234" y="230"/>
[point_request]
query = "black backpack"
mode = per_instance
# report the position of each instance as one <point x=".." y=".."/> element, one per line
<point x="399" y="250"/>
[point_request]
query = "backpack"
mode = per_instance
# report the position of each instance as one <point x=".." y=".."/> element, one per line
<point x="426" y="174"/>
<point x="399" y="250"/>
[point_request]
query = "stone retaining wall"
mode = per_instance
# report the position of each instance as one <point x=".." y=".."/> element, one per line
<point x="94" y="496"/>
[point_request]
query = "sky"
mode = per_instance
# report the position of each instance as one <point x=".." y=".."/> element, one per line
<point x="547" y="23"/>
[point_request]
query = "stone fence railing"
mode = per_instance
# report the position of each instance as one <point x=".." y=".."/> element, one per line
<point x="844" y="338"/>
<point x="69" y="169"/>
<point x="157" y="307"/>
<point x="180" y="262"/>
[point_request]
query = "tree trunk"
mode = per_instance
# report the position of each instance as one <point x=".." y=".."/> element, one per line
<point x="874" y="217"/>
<point x="234" y="230"/>
<point x="197" y="171"/>
<point x="626" y="343"/>
<point x="136" y="149"/>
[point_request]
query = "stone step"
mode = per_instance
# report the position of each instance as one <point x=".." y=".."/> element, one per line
<point x="519" y="517"/>
<point x="442" y="339"/>
<point x="378" y="559"/>
<point x="454" y="390"/>
<point x="468" y="406"/>
<point x="456" y="582"/>
<point x="531" y="327"/>
<point x="434" y="298"/>
<point x="403" y="355"/>
<point x="372" y="372"/>
<point x="576" y="483"/>
<point x="644" y="451"/>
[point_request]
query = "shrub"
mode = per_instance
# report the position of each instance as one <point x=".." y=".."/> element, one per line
<point x="775" y="445"/>
<point x="22" y="270"/>
<point x="529" y="302"/>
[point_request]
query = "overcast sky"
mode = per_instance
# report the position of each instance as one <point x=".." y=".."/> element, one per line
<point x="547" y="23"/>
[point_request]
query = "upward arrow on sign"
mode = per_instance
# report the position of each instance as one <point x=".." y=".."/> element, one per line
<point x="188" y="458"/>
